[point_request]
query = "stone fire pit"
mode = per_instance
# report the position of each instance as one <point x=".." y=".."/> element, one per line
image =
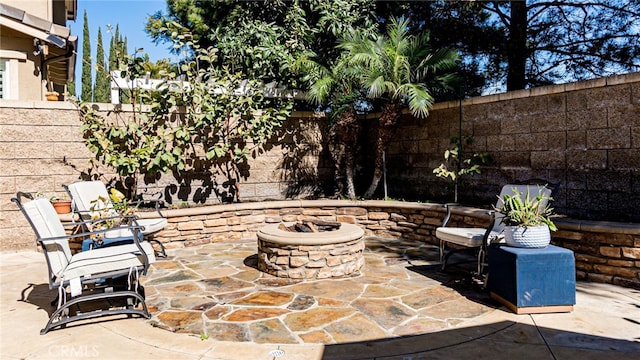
<point x="310" y="255"/>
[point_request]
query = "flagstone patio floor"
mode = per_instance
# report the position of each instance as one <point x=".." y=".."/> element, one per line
<point x="216" y="291"/>
<point x="210" y="303"/>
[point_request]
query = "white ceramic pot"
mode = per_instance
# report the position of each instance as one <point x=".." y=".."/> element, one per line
<point x="114" y="233"/>
<point x="527" y="237"/>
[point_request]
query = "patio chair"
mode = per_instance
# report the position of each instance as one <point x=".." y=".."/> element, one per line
<point x="84" y="193"/>
<point x="477" y="239"/>
<point x="90" y="284"/>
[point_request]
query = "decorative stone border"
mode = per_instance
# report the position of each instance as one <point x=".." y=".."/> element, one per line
<point x="330" y="254"/>
<point x="605" y="252"/>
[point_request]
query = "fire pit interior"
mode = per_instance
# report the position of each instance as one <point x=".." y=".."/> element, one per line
<point x="311" y="249"/>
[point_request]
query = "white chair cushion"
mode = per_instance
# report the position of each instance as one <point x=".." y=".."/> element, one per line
<point x="84" y="192"/>
<point x="469" y="237"/>
<point x="94" y="262"/>
<point x="152" y="225"/>
<point x="47" y="225"/>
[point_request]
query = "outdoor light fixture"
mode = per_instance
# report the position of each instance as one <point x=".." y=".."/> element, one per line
<point x="39" y="47"/>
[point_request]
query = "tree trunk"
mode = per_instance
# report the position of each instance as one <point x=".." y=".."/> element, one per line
<point x="386" y="127"/>
<point x="517" y="49"/>
<point x="345" y="137"/>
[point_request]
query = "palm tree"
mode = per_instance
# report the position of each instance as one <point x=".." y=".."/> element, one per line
<point x="396" y="70"/>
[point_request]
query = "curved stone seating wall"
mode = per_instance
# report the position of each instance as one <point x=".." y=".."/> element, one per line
<point x="605" y="251"/>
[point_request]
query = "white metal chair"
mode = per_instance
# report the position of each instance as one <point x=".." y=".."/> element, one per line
<point x="109" y="274"/>
<point x="84" y="193"/>
<point x="477" y="239"/>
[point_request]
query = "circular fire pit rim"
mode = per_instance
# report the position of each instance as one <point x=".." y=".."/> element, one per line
<point x="346" y="232"/>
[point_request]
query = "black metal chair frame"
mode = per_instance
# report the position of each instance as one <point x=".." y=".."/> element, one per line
<point x="99" y="286"/>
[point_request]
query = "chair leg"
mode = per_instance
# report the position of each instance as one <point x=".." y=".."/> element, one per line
<point x="443" y="260"/>
<point x="159" y="253"/>
<point x="61" y="317"/>
<point x="482" y="264"/>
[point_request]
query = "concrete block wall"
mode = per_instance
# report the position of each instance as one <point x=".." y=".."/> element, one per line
<point x="584" y="136"/>
<point x="42" y="148"/>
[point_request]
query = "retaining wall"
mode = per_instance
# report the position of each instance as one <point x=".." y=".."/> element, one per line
<point x="605" y="252"/>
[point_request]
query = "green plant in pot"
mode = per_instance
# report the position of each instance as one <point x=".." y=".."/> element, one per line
<point x="527" y="220"/>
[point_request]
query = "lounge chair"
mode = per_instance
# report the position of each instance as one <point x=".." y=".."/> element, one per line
<point x="477" y="239"/>
<point x="84" y="194"/>
<point x="90" y="284"/>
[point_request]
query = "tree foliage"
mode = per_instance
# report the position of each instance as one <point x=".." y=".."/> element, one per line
<point x="86" y="93"/>
<point x="263" y="39"/>
<point x="102" y="88"/>
<point x="396" y="69"/>
<point x="217" y="125"/>
<point x="560" y="41"/>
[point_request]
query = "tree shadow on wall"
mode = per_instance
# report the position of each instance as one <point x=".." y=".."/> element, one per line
<point x="305" y="167"/>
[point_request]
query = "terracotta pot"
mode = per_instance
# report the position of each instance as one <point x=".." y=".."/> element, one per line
<point x="62" y="207"/>
<point x="52" y="97"/>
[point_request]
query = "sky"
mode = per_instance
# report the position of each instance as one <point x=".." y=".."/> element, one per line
<point x="129" y="15"/>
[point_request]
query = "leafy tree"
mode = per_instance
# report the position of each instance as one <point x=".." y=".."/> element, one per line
<point x="556" y="41"/>
<point x="457" y="165"/>
<point x="263" y="39"/>
<point x="114" y="48"/>
<point x="87" y="84"/>
<point x="219" y="128"/>
<point x="338" y="90"/>
<point x="161" y="66"/>
<point x="102" y="89"/>
<point x="396" y="69"/>
<point x="520" y="44"/>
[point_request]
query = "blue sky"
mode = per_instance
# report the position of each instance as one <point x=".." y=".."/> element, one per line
<point x="129" y="15"/>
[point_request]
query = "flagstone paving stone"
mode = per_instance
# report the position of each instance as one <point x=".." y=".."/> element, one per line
<point x="387" y="313"/>
<point x="254" y="314"/>
<point x="263" y="298"/>
<point x="355" y="328"/>
<point x="271" y="331"/>
<point x="215" y="290"/>
<point x="315" y="318"/>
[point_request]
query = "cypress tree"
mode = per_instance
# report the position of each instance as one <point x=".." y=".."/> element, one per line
<point x="71" y="88"/>
<point x="112" y="53"/>
<point x="101" y="89"/>
<point x="86" y="92"/>
<point x="125" y="96"/>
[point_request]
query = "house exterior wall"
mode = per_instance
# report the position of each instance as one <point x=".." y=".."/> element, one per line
<point x="39" y="8"/>
<point x="27" y="77"/>
<point x="29" y="86"/>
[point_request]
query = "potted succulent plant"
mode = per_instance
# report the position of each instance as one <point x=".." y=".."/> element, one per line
<point x="527" y="220"/>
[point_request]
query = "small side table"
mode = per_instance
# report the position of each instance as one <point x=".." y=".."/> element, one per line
<point x="88" y="244"/>
<point x="532" y="281"/>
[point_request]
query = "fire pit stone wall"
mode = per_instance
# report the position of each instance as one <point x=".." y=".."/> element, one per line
<point x="331" y="254"/>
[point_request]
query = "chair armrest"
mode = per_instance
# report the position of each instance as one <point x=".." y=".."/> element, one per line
<point x="156" y="204"/>
<point x="88" y="233"/>
<point x="448" y="207"/>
